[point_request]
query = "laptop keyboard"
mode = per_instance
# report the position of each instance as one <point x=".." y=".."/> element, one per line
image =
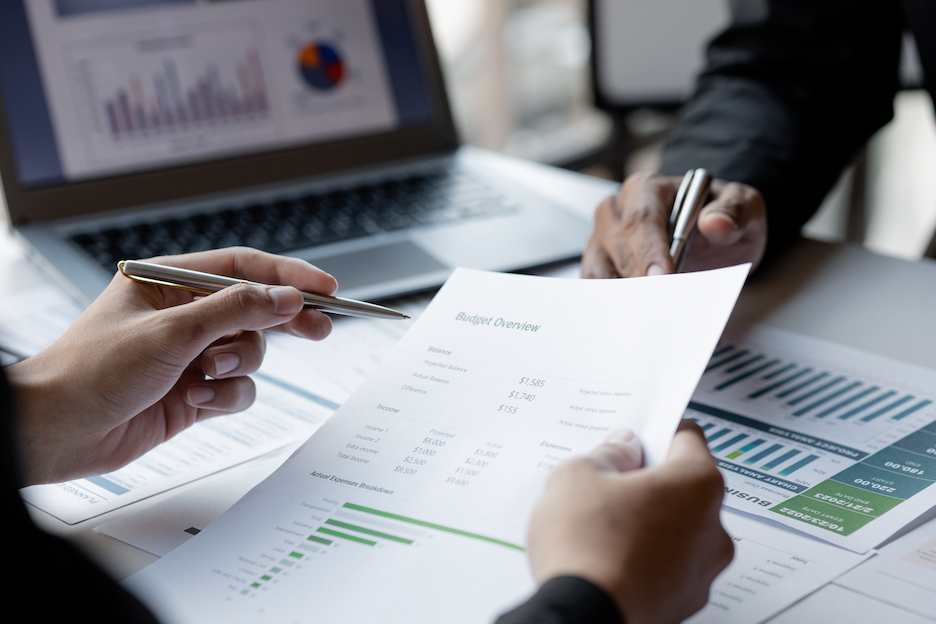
<point x="315" y="219"/>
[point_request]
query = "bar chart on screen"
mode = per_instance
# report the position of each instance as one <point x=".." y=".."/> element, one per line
<point x="166" y="106"/>
<point x="143" y="94"/>
<point x="828" y="439"/>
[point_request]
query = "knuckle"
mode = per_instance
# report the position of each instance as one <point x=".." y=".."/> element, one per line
<point x="710" y="476"/>
<point x="733" y="205"/>
<point x="753" y="192"/>
<point x="323" y="327"/>
<point x="700" y="598"/>
<point x="247" y="392"/>
<point x="747" y="196"/>
<point x="636" y="215"/>
<point x="606" y="214"/>
<point x="706" y="481"/>
<point x="643" y="178"/>
<point x="193" y="329"/>
<point x="239" y="393"/>
<point x="712" y="485"/>
<point x="249" y="298"/>
<point x="606" y="205"/>
<point x="246" y="254"/>
<point x="567" y="470"/>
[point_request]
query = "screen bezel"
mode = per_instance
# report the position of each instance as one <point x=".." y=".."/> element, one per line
<point x="74" y="199"/>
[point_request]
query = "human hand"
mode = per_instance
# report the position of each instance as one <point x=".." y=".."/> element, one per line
<point x="131" y="372"/>
<point x="631" y="236"/>
<point x="650" y="538"/>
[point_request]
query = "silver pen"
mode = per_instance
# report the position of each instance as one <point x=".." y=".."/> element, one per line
<point x="691" y="196"/>
<point x="207" y="283"/>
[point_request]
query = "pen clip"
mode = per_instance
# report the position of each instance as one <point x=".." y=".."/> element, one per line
<point x="680" y="201"/>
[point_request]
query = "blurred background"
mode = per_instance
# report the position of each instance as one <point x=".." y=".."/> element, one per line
<point x="520" y="79"/>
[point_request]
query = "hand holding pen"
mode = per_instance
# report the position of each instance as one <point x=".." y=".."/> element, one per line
<point x="145" y="361"/>
<point x="632" y="235"/>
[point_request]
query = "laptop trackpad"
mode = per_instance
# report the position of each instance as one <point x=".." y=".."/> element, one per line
<point x="378" y="264"/>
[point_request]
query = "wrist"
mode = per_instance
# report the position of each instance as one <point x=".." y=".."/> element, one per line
<point x="37" y="438"/>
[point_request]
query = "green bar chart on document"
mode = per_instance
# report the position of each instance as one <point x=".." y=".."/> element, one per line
<point x="827" y="439"/>
<point x="361" y="528"/>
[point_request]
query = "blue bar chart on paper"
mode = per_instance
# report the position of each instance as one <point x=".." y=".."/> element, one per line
<point x="828" y="439"/>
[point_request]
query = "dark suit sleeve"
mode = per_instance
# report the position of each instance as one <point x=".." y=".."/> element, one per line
<point x="791" y="92"/>
<point x="63" y="578"/>
<point x="566" y="600"/>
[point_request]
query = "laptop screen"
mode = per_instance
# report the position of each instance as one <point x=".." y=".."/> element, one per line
<point x="96" y="88"/>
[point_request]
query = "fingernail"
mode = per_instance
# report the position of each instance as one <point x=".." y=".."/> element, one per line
<point x="285" y="302"/>
<point x="656" y="269"/>
<point x="225" y="362"/>
<point x="621" y="436"/>
<point x="200" y="394"/>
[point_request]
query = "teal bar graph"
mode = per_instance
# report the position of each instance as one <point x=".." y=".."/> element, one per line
<point x="802" y="385"/>
<point x="779" y="384"/>
<point x="779" y="371"/>
<point x="847" y="402"/>
<point x="721" y="350"/>
<point x="753" y="460"/>
<point x="794" y="467"/>
<point x="913" y="409"/>
<point x="744" y="449"/>
<point x="725" y="360"/>
<point x="826" y="399"/>
<point x="721" y="447"/>
<point x="741" y="365"/>
<point x="717" y="435"/>
<point x="887" y="408"/>
<point x="745" y="375"/>
<point x="779" y="460"/>
<point x="815" y="391"/>
<point x="867" y="405"/>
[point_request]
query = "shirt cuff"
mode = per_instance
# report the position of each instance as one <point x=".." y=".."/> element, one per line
<point x="566" y="600"/>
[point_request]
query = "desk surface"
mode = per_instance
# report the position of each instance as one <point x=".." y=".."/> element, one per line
<point x="841" y="293"/>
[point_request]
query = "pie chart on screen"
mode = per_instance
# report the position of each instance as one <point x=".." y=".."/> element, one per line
<point x="321" y="66"/>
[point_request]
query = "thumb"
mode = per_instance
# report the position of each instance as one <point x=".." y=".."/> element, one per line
<point x="689" y="444"/>
<point x="621" y="452"/>
<point x="239" y="307"/>
<point x="725" y="219"/>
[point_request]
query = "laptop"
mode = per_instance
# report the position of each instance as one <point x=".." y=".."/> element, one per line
<point x="312" y="128"/>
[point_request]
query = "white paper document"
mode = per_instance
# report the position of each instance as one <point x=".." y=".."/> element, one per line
<point x="32" y="320"/>
<point x="827" y="439"/>
<point x="903" y="573"/>
<point x="411" y="503"/>
<point x="833" y="604"/>
<point x="772" y="568"/>
<point x="161" y="528"/>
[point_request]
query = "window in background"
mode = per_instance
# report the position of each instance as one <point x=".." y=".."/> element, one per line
<point x="518" y="75"/>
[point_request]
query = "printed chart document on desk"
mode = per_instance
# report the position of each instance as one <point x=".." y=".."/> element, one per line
<point x="827" y="439"/>
<point x="411" y="503"/>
